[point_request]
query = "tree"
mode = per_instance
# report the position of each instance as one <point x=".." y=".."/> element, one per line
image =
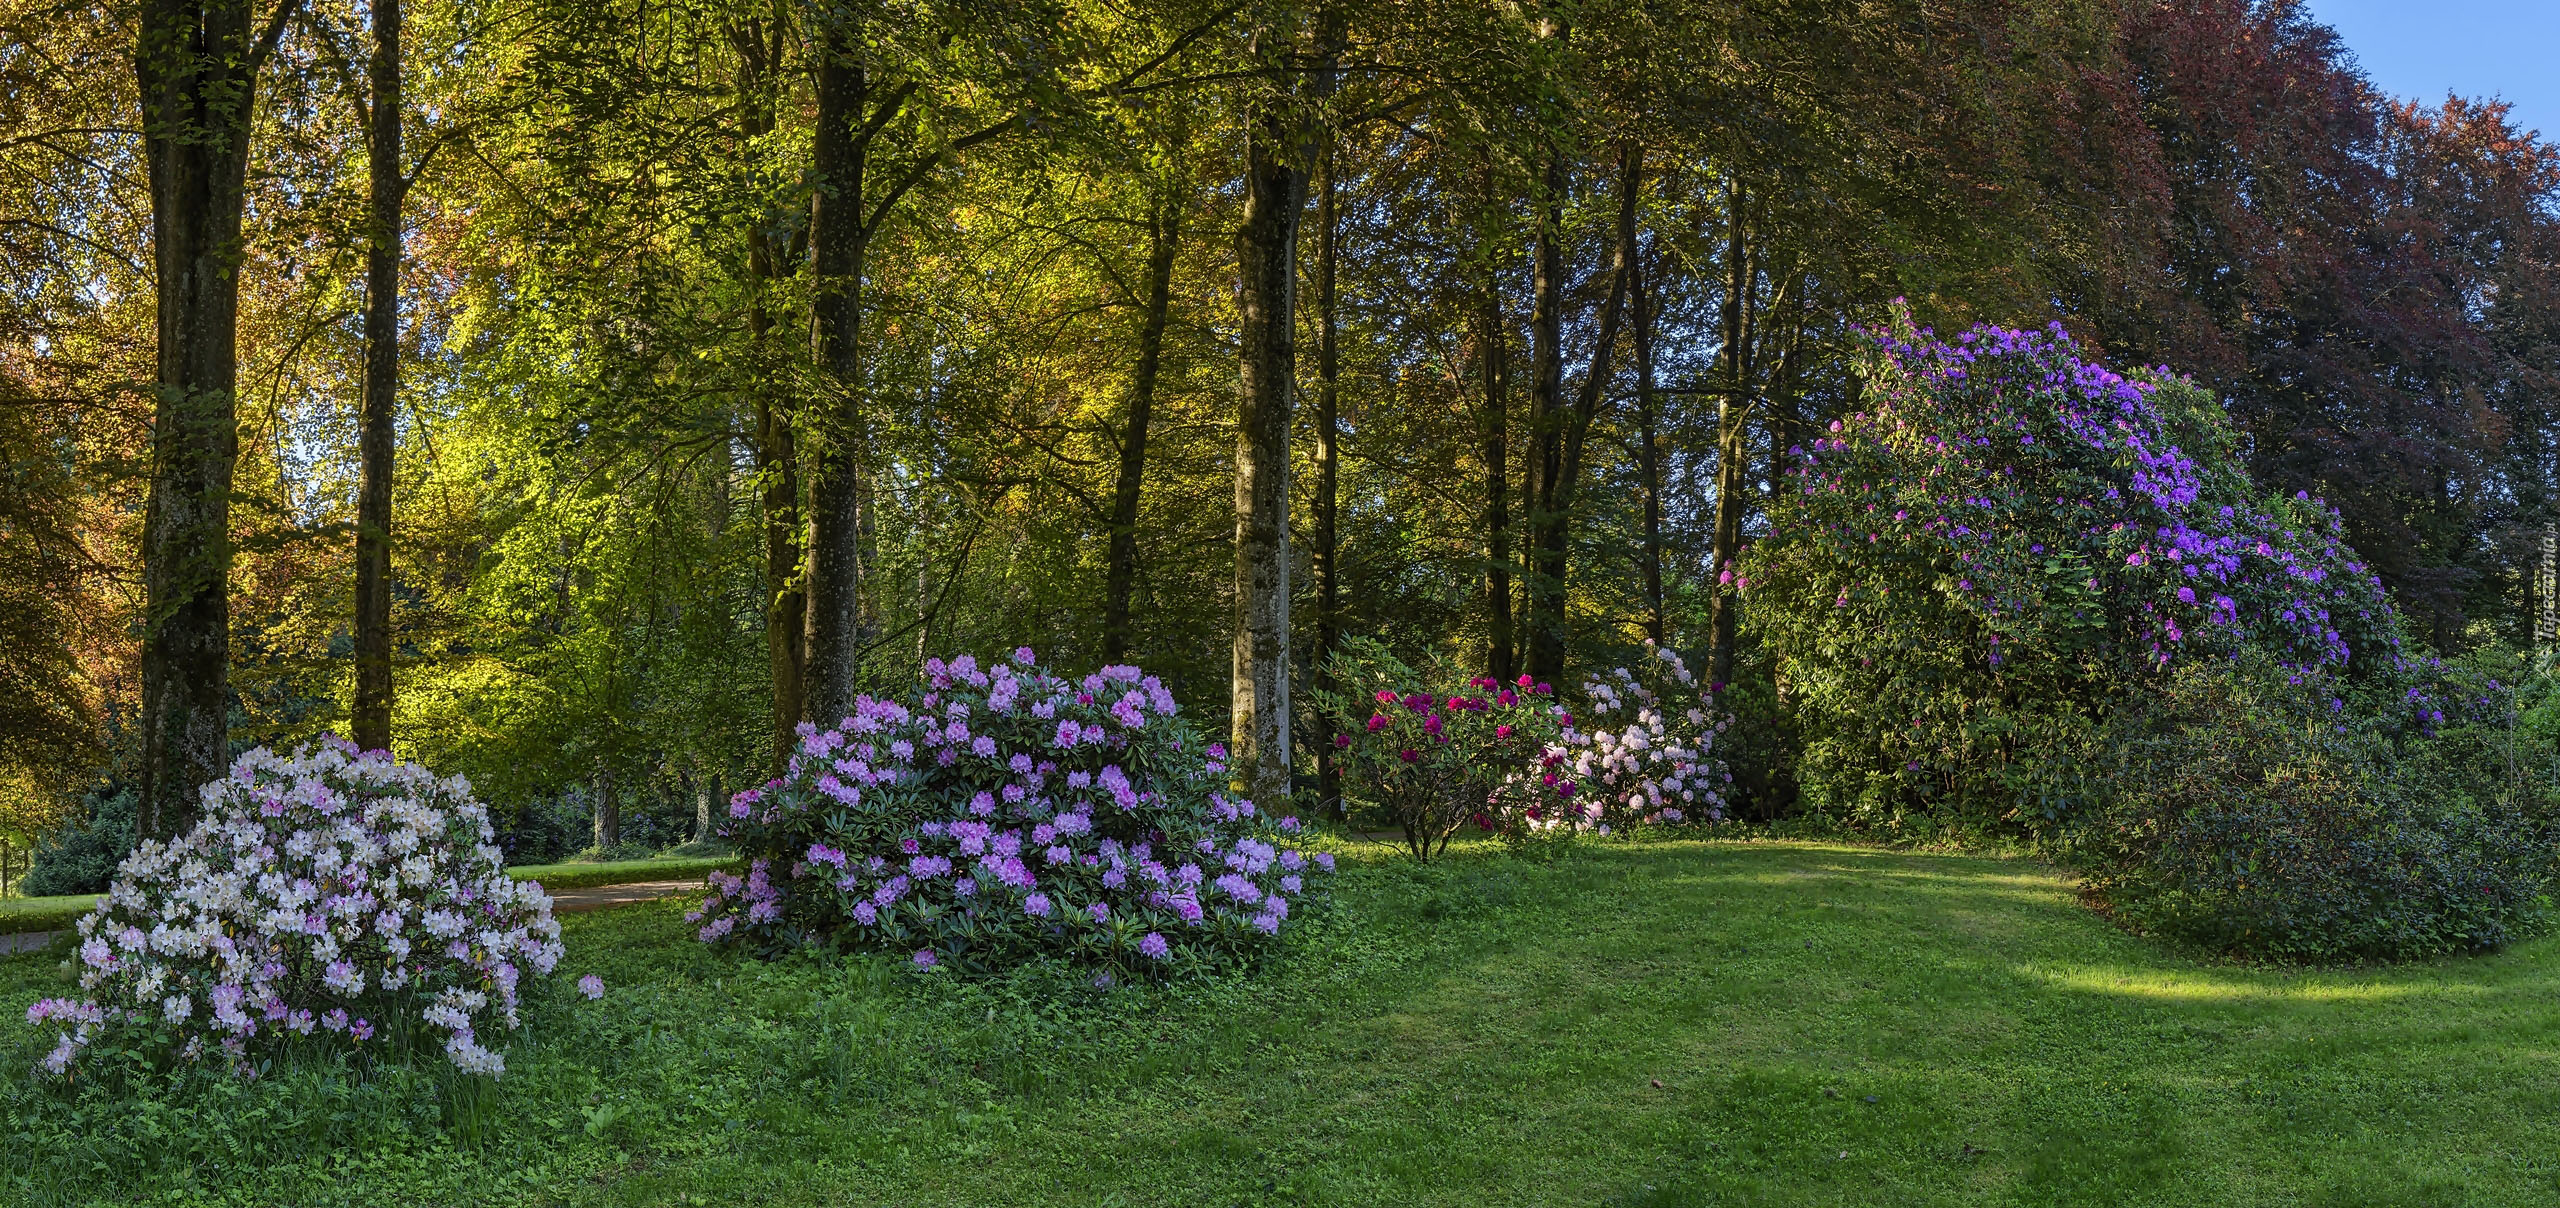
<point x="1275" y="185"/>
<point x="198" y="65"/>
<point x="1164" y="239"/>
<point x="1561" y="428"/>
<point x="384" y="239"/>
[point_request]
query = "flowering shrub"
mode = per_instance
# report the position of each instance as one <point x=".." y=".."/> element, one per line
<point x="2009" y="537"/>
<point x="1002" y="813"/>
<point x="1434" y="753"/>
<point x="329" y="898"/>
<point x="2253" y="809"/>
<point x="1647" y="754"/>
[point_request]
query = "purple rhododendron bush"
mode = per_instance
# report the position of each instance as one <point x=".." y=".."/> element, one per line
<point x="2018" y="590"/>
<point x="329" y="900"/>
<point x="1002" y="813"/>
<point x="2006" y="538"/>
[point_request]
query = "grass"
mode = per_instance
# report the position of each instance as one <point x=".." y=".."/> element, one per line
<point x="1667" y="1024"/>
<point x="18" y="915"/>
<point x="556" y="877"/>
<point x="43" y="914"/>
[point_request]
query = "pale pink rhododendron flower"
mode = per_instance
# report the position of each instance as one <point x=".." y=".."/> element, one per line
<point x="322" y="892"/>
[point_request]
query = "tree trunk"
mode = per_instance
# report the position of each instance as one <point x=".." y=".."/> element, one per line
<point x="197" y="74"/>
<point x="1266" y="247"/>
<point x="1328" y="478"/>
<point x="777" y="460"/>
<point x="1493" y="363"/>
<point x="1561" y="442"/>
<point x="1546" y="418"/>
<point x="706" y="791"/>
<point x="608" y="810"/>
<point x="1164" y="234"/>
<point x="1501" y="657"/>
<point x="832" y="573"/>
<point x="1648" y="444"/>
<point x="1732" y="421"/>
<point x="372" y="720"/>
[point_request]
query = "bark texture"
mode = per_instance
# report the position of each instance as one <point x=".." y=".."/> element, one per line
<point x="1325" y="559"/>
<point x="1266" y="246"/>
<point x="1564" y="428"/>
<point x="832" y="549"/>
<point x="759" y="43"/>
<point x="196" y="66"/>
<point x="1164" y="232"/>
<point x="387" y="187"/>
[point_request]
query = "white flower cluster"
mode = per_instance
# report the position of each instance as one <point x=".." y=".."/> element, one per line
<point x="1648" y="753"/>
<point x="330" y="894"/>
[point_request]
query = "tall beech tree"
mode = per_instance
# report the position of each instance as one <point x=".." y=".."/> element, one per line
<point x="197" y="62"/>
<point x="1327" y="537"/>
<point x="1561" y="427"/>
<point x="1275" y="192"/>
<point x="1120" y="579"/>
<point x="759" y="40"/>
<point x="387" y="184"/>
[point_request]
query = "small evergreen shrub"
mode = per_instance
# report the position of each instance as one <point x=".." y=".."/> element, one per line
<point x="2270" y="812"/>
<point x="81" y="857"/>
<point x="1003" y="814"/>
<point x="331" y="899"/>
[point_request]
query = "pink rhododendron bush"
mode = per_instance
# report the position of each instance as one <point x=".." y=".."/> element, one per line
<point x="329" y="899"/>
<point x="1435" y="750"/>
<point x="1001" y="814"/>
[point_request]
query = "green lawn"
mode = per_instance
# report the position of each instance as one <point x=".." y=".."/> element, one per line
<point x="45" y="914"/>
<point x="556" y="877"/>
<point x="1780" y="1024"/>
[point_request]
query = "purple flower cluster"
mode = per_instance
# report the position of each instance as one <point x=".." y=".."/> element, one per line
<point x="2036" y="491"/>
<point x="2014" y="521"/>
<point x="1002" y="811"/>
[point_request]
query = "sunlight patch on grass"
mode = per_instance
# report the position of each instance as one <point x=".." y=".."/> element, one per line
<point x="2175" y="985"/>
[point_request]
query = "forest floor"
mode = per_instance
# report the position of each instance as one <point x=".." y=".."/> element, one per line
<point x="1636" y="1024"/>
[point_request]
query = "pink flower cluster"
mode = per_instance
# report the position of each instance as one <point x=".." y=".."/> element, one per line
<point x="1648" y="756"/>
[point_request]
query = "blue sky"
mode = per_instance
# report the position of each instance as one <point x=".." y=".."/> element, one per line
<point x="2422" y="49"/>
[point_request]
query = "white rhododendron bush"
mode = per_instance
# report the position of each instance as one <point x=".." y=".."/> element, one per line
<point x="329" y="898"/>
<point x="1648" y="753"/>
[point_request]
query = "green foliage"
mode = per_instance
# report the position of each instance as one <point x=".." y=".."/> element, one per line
<point x="2004" y="543"/>
<point x="2251" y="810"/>
<point x="81" y="857"/>
<point x="558" y="877"/>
